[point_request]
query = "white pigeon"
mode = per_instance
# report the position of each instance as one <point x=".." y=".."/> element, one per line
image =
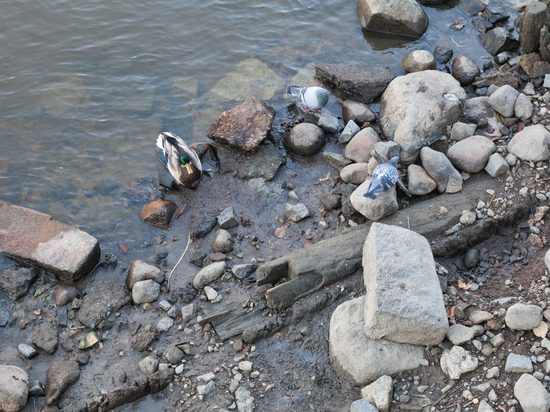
<point x="313" y="98"/>
<point x="383" y="178"/>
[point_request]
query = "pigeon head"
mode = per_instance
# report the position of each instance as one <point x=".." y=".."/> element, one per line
<point x="393" y="161"/>
<point x="322" y="96"/>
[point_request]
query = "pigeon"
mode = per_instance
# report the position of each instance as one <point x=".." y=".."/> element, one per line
<point x="383" y="177"/>
<point x="313" y="98"/>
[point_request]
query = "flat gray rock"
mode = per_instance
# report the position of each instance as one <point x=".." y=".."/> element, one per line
<point x="359" y="359"/>
<point x="471" y="154"/>
<point x="405" y="302"/>
<point x="104" y="298"/>
<point x="531" y="144"/>
<point x="461" y="131"/>
<point x="523" y="317"/>
<point x="518" y="364"/>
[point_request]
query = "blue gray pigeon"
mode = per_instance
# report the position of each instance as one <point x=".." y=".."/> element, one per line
<point x="383" y="177"/>
<point x="313" y="98"/>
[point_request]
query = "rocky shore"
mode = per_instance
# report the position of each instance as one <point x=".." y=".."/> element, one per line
<point x="295" y="292"/>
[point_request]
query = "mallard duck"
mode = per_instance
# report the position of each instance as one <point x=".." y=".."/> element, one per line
<point x="182" y="162"/>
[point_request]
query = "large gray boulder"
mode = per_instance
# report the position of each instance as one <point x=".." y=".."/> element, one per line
<point x="359" y="359"/>
<point x="523" y="317"/>
<point x="531" y="144"/>
<point x="416" y="106"/>
<point x="441" y="170"/>
<point x="532" y="21"/>
<point x="404" y="17"/>
<point x="405" y="302"/>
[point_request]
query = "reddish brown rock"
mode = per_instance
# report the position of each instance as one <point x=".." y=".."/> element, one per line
<point x="142" y="340"/>
<point x="158" y="212"/>
<point x="360" y="113"/>
<point x="65" y="294"/>
<point x="360" y="147"/>
<point x="35" y="238"/>
<point x="245" y="126"/>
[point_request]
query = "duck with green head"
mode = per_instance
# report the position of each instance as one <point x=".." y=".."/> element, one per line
<point x="182" y="162"/>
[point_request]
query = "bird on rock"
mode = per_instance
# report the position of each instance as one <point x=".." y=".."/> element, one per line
<point x="313" y="98"/>
<point x="182" y="162"/>
<point x="384" y="177"/>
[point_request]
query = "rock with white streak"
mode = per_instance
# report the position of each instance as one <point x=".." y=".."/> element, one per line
<point x="405" y="302"/>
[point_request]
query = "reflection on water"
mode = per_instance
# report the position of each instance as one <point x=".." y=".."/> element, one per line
<point x="85" y="87"/>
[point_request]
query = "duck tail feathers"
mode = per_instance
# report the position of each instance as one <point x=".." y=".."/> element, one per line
<point x="160" y="141"/>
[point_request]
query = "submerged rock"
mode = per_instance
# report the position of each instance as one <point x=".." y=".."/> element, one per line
<point x="404" y="17"/>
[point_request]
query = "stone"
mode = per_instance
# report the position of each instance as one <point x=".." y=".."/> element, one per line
<point x="242" y="271"/>
<point x="532" y="21"/>
<point x="365" y="82"/>
<point x="471" y="7"/>
<point x="359" y="359"/>
<point x="518" y="364"/>
<point x="471" y="154"/>
<point x="531" y="394"/>
<point x="174" y="355"/>
<point x="207" y="377"/>
<point x="328" y="122"/>
<point x="461" y="131"/>
<point x="355" y="173"/>
<point x="484" y="407"/>
<point x="17" y="282"/>
<point x="460" y="334"/>
<point x="142" y="341"/>
<point x="164" y="324"/>
<point x="523" y="107"/>
<point x="330" y="202"/>
<point x="27" y="350"/>
<point x="379" y="393"/>
<point x="544" y="48"/>
<point x="477" y="109"/>
<point x="503" y="100"/>
<point x="362" y="405"/>
<point x="441" y="170"/>
<point x="244" y="400"/>
<point x="36" y="389"/>
<point x="188" y="312"/>
<point x="465" y="70"/>
<point x="443" y="54"/>
<point x="405" y="302"/>
<point x="336" y="159"/>
<point x="32" y="237"/>
<point x="145" y="291"/>
<point x="45" y="336"/>
<point x="158" y="212"/>
<point x="5" y="314"/>
<point x="207" y="389"/>
<point x="498" y="40"/>
<point x="403" y="17"/>
<point x="483" y="25"/>
<point x="208" y="274"/>
<point x="527" y="63"/>
<point x="87" y="341"/>
<point x="65" y="294"/>
<point x="305" y="139"/>
<point x="245" y="126"/>
<point x="13" y="388"/>
<point x="104" y="298"/>
<point x="60" y="376"/>
<point x="418" y="105"/>
<point x="142" y="270"/>
<point x="374" y="209"/>
<point x="148" y="365"/>
<point x="531" y="144"/>
<point x="210" y="293"/>
<point x="418" y="60"/>
<point x="223" y="242"/>
<point x="496" y="165"/>
<point x="495" y="13"/>
<point x="295" y="213"/>
<point x="349" y="131"/>
<point x="360" y="147"/>
<point x="523" y="317"/>
<point x="503" y="57"/>
<point x="227" y="218"/>
<point x="457" y="361"/>
<point x="387" y="149"/>
<point x="360" y="113"/>
<point x="479" y="316"/>
<point x="203" y="225"/>
<point x="419" y="183"/>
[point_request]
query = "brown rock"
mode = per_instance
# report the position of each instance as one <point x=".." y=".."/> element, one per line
<point x="330" y="202"/>
<point x="158" y="212"/>
<point x="65" y="294"/>
<point x="245" y="126"/>
<point x="526" y="61"/>
<point x="479" y="316"/>
<point x="142" y="270"/>
<point x="366" y="82"/>
<point x="336" y="160"/>
<point x="494" y="324"/>
<point x="360" y="147"/>
<point x="360" y="113"/>
<point x="419" y="183"/>
<point x="60" y="376"/>
<point x="498" y="79"/>
<point x="45" y="336"/>
<point x="539" y="69"/>
<point x="355" y="173"/>
<point x="417" y="61"/>
<point x="34" y="238"/>
<point x="142" y="340"/>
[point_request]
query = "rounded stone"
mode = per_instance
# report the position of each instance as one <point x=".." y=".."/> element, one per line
<point x="419" y="183"/>
<point x="360" y="147"/>
<point x="355" y="173"/>
<point x="158" y="212"/>
<point x="523" y="317"/>
<point x="14" y="388"/>
<point x="471" y="154"/>
<point x="145" y="291"/>
<point x="65" y="294"/>
<point x="305" y="139"/>
<point x="360" y="113"/>
<point x="208" y="274"/>
<point x="417" y="61"/>
<point x="174" y="355"/>
<point x="443" y="54"/>
<point x="142" y="270"/>
<point x="465" y="70"/>
<point x="471" y="258"/>
<point x="223" y="242"/>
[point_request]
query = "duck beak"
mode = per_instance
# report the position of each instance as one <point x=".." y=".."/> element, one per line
<point x="189" y="168"/>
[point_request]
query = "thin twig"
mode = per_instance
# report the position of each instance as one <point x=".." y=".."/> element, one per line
<point x="184" y="252"/>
